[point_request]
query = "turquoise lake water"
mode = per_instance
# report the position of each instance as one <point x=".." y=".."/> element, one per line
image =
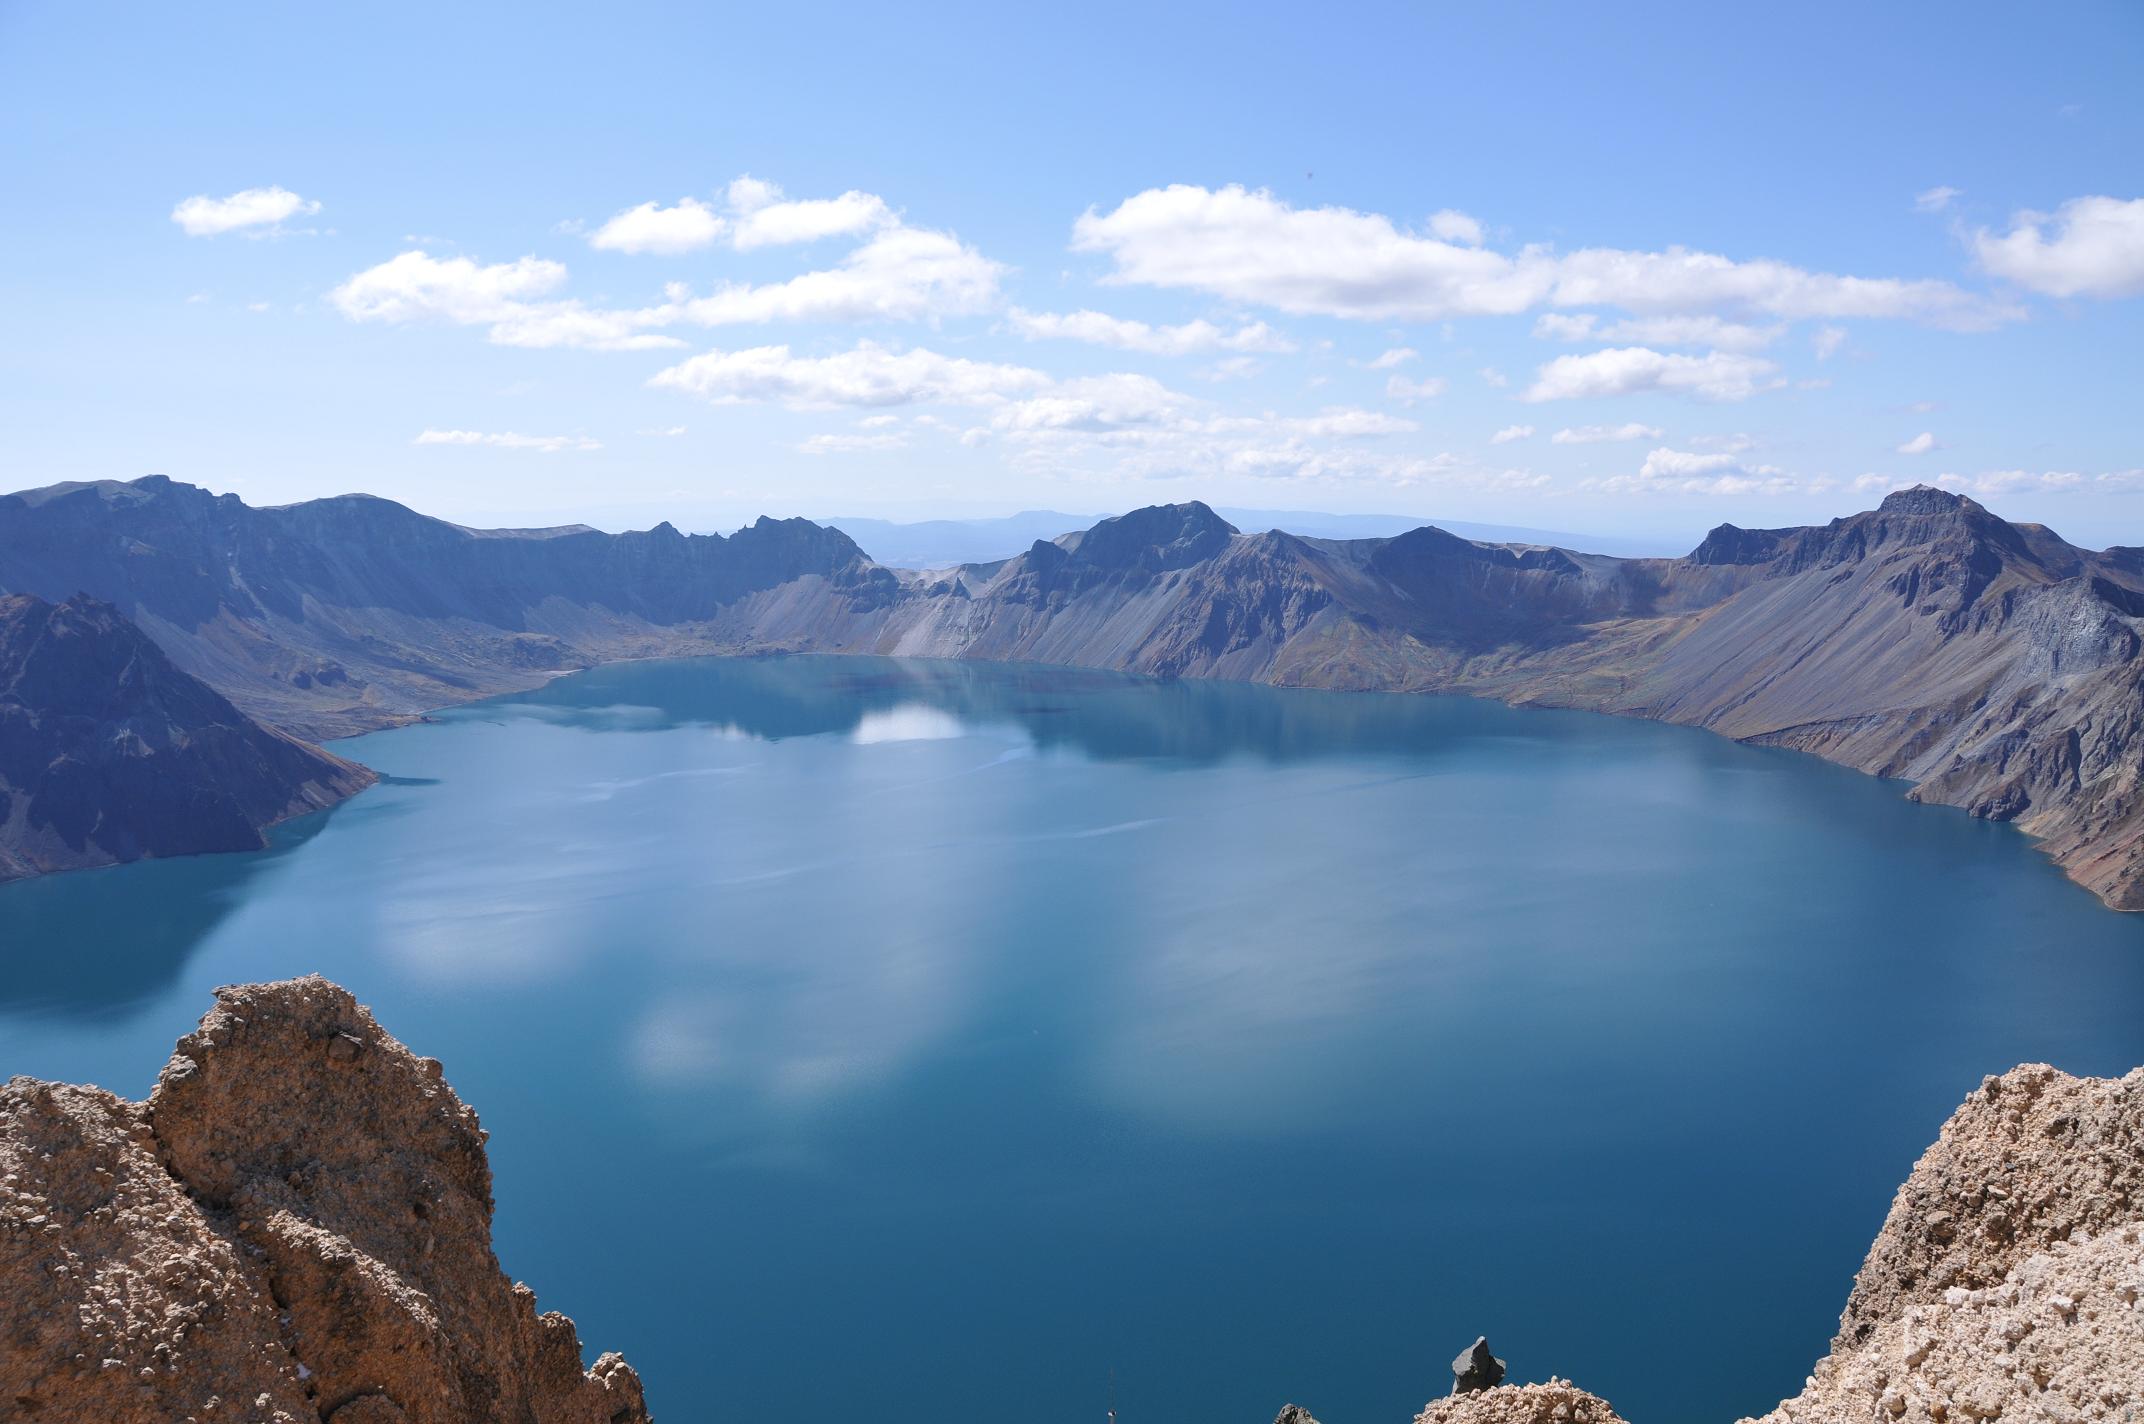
<point x="936" y="1041"/>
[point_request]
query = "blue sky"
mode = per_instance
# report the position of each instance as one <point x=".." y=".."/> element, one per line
<point x="993" y="258"/>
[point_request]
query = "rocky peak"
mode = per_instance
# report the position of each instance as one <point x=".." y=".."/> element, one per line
<point x="1731" y="544"/>
<point x="299" y="1219"/>
<point x="1156" y="538"/>
<point x="1925" y="499"/>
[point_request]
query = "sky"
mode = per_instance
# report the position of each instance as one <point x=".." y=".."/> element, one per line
<point x="1634" y="270"/>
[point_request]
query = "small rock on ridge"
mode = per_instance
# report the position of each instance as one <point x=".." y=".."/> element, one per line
<point x="1476" y="1369"/>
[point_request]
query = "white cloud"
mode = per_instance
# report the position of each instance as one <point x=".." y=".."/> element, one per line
<point x="1510" y="433"/>
<point x="1396" y="356"/>
<point x="688" y="227"/>
<point x="869" y="375"/>
<point x="1920" y="444"/>
<point x="508" y="440"/>
<point x="1253" y="247"/>
<point x="901" y="274"/>
<point x="1100" y="329"/>
<point x="850" y="444"/>
<point x="1694" y="330"/>
<point x="1597" y="434"/>
<point x="1827" y="341"/>
<point x="1451" y="225"/>
<point x="1995" y="482"/>
<point x="1627" y="370"/>
<point x="2090" y="247"/>
<point x="1401" y="389"/>
<point x="1094" y="403"/>
<point x="759" y="216"/>
<point x="255" y="208"/>
<point x="1710" y="331"/>
<point x="765" y="218"/>
<point x="1352" y="422"/>
<point x="1668" y="471"/>
<point x="415" y="286"/>
<point x="1935" y="200"/>
<point x="1563" y="326"/>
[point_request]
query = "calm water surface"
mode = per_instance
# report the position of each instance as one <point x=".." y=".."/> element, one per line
<point x="928" y="1041"/>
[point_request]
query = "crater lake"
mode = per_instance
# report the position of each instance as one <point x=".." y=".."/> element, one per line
<point x="988" y="1043"/>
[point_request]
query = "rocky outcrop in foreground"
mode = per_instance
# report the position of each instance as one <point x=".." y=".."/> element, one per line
<point x="109" y="753"/>
<point x="294" y="1229"/>
<point x="2007" y="1282"/>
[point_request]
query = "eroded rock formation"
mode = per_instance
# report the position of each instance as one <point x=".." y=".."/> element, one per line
<point x="294" y="1229"/>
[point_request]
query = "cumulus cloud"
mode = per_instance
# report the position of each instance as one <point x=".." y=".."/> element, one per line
<point x="1251" y="246"/>
<point x="1596" y="434"/>
<point x="764" y="217"/>
<point x="255" y="212"/>
<point x="688" y="227"/>
<point x="508" y="440"/>
<point x="1920" y="444"/>
<point x="1099" y="329"/>
<point x="1396" y="356"/>
<point x="1827" y="341"/>
<point x="1935" y="200"/>
<point x="2089" y="247"/>
<point x="758" y="215"/>
<point x="505" y="296"/>
<point x="1510" y="433"/>
<point x="1627" y="370"/>
<point x="901" y="274"/>
<point x="1454" y="226"/>
<point x="869" y="375"/>
<point x="1667" y="471"/>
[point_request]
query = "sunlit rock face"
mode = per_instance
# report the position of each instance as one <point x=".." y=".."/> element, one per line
<point x="109" y="753"/>
<point x="296" y="1227"/>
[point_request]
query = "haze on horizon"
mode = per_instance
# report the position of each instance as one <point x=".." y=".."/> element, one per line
<point x="1633" y="273"/>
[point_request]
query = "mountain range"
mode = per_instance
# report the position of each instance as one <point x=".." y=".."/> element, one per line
<point x="942" y="543"/>
<point x="1992" y="664"/>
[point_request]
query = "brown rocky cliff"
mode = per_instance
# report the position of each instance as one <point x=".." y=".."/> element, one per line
<point x="296" y="1228"/>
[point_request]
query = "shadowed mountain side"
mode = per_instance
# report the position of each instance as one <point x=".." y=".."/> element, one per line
<point x="109" y="753"/>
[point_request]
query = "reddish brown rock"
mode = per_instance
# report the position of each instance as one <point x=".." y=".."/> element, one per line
<point x="296" y="1228"/>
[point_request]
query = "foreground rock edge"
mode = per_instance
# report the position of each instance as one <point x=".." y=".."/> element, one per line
<point x="295" y="1228"/>
<point x="2007" y="1282"/>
